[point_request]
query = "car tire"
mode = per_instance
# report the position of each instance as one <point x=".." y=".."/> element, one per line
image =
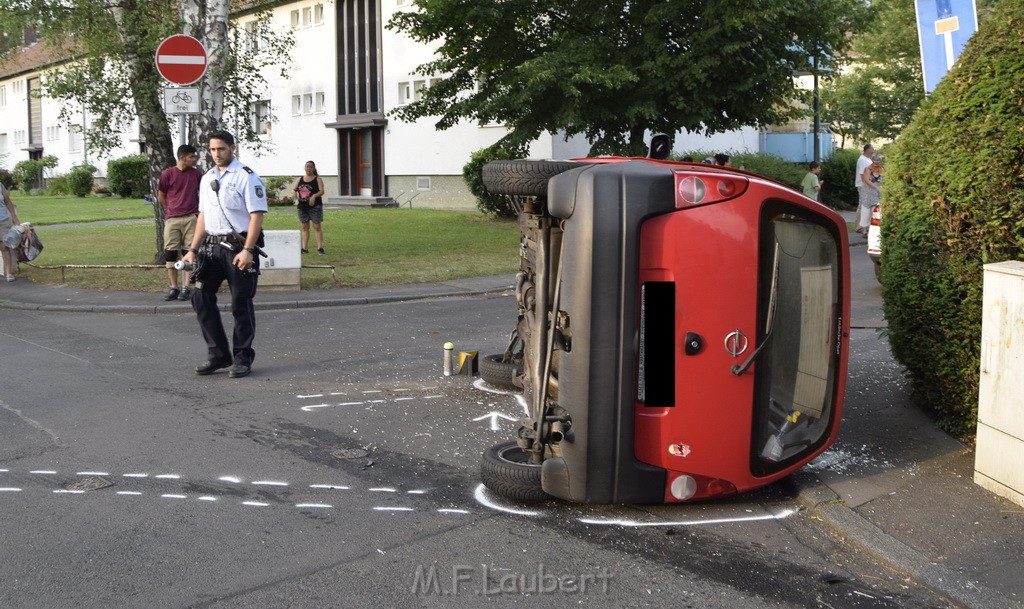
<point x="522" y="178"/>
<point x="499" y="373"/>
<point x="506" y="470"/>
<point x="878" y="270"/>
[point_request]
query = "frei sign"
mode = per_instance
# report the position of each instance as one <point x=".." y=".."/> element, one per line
<point x="943" y="28"/>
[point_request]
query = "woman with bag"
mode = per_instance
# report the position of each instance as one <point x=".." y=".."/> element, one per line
<point x="8" y="219"/>
<point x="309" y="189"/>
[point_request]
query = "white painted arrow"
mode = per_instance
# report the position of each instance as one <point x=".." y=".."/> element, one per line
<point x="494" y="416"/>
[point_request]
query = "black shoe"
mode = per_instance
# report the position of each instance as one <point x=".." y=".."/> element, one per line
<point x="186" y="294"/>
<point x="304" y="251"/>
<point x="239" y="371"/>
<point x="321" y="251"/>
<point x="171" y="294"/>
<point x="212" y="365"/>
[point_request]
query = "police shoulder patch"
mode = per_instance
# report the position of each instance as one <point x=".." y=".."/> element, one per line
<point x="259" y="191"/>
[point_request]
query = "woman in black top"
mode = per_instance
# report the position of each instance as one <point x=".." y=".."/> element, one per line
<point x="308" y="190"/>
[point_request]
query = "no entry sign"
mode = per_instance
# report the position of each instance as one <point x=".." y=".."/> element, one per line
<point x="181" y="59"/>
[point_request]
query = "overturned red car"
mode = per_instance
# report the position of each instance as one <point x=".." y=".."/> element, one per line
<point x="684" y="331"/>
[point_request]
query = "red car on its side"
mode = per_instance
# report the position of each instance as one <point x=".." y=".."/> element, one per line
<point x="685" y="331"/>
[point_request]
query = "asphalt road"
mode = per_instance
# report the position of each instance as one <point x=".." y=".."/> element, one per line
<point x="344" y="473"/>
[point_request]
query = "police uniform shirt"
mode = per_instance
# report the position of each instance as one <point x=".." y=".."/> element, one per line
<point x="239" y="193"/>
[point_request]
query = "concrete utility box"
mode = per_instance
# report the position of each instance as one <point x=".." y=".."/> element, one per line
<point x="282" y="268"/>
<point x="999" y="456"/>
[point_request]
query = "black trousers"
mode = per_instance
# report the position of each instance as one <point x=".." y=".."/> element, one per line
<point x="216" y="269"/>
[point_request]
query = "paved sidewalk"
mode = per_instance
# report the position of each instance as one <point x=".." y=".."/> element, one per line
<point x="25" y="295"/>
<point x="894" y="486"/>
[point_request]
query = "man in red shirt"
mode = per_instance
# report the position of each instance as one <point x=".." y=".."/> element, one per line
<point x="178" y="192"/>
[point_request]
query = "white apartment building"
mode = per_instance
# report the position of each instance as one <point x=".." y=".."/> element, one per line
<point x="347" y="72"/>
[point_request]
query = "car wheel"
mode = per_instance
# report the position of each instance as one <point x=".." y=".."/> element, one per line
<point x="878" y="270"/>
<point x="499" y="373"/>
<point x="507" y="470"/>
<point x="522" y="178"/>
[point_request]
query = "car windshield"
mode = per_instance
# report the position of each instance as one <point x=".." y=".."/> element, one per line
<point x="799" y="304"/>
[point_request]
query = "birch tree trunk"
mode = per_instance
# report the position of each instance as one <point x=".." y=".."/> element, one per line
<point x="146" y="86"/>
<point x="207" y="20"/>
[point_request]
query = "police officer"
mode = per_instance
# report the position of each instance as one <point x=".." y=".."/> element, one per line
<point x="225" y="246"/>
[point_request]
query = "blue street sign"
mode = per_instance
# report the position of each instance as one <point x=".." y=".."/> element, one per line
<point x="943" y="28"/>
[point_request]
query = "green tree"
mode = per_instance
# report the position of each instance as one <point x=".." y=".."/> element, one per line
<point x="954" y="200"/>
<point x="614" y="69"/>
<point x="879" y="96"/>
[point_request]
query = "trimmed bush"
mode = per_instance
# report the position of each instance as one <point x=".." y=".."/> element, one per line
<point x="57" y="186"/>
<point x="26" y="174"/>
<point x="838" y="172"/>
<point x="771" y="166"/>
<point x="472" y="173"/>
<point x="275" y="184"/>
<point x="953" y="200"/>
<point x="129" y="176"/>
<point x="6" y="179"/>
<point x="80" y="180"/>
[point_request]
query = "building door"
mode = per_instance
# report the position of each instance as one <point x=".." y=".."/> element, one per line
<point x="364" y="161"/>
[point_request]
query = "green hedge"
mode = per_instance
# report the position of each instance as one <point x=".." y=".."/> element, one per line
<point x="472" y="174"/>
<point x="80" y="180"/>
<point x="953" y="200"/>
<point x="129" y="176"/>
<point x="838" y="172"/>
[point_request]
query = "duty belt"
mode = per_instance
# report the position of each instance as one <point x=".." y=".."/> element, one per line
<point x="212" y="239"/>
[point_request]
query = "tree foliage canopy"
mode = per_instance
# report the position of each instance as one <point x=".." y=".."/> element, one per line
<point x="878" y="97"/>
<point x="611" y="69"/>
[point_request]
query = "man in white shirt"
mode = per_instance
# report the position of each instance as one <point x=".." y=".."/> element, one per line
<point x="229" y="229"/>
<point x="863" y="207"/>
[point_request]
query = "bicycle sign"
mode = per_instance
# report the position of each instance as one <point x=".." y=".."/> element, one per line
<point x="181" y="100"/>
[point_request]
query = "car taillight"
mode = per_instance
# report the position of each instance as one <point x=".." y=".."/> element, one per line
<point x="876" y="215"/>
<point x="702" y="188"/>
<point x="691" y="486"/>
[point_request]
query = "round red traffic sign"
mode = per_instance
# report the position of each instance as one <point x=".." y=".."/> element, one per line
<point x="181" y="59"/>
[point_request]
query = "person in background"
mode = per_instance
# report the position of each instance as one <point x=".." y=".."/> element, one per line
<point x="8" y="218"/>
<point x="229" y="229"/>
<point x="872" y="185"/>
<point x="864" y="200"/>
<point x="811" y="184"/>
<point x="309" y="190"/>
<point x="178" y="192"/>
<point x="723" y="160"/>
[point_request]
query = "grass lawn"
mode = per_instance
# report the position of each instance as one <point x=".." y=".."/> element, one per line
<point x="42" y="210"/>
<point x="366" y="246"/>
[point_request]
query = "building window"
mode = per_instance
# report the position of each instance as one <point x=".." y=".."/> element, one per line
<point x="253" y="37"/>
<point x="319" y="101"/>
<point x="19" y="86"/>
<point x="318" y="14"/>
<point x="423" y="183"/>
<point x="417" y="89"/>
<point x="75" y="138"/>
<point x="3" y="96"/>
<point x="3" y="143"/>
<point x="307" y="16"/>
<point x="295" y="19"/>
<point x="261" y="117"/>
<point x="404" y="93"/>
<point x="296" y="105"/>
<point x="307" y="103"/>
